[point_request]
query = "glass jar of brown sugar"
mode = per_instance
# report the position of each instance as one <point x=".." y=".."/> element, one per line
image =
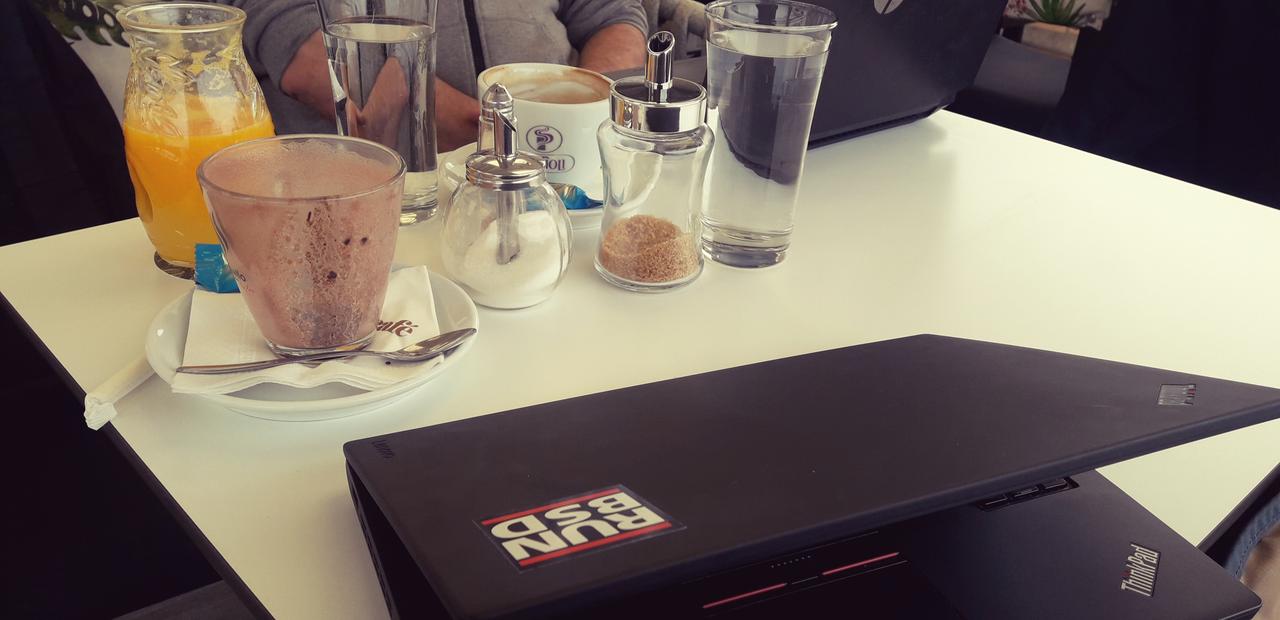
<point x="654" y="153"/>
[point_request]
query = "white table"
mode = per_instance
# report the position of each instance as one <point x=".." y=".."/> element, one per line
<point x="948" y="226"/>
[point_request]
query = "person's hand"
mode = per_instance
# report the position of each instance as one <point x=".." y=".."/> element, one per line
<point x="457" y="118"/>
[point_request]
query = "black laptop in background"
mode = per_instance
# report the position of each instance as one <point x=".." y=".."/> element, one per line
<point x="891" y="62"/>
<point x="934" y="476"/>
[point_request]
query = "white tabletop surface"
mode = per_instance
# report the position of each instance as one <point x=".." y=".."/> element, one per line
<point x="948" y="226"/>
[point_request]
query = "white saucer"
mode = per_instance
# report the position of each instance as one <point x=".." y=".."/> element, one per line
<point x="167" y="338"/>
<point x="453" y="169"/>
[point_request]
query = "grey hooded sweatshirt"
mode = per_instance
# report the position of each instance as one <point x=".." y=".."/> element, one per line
<point x="508" y="31"/>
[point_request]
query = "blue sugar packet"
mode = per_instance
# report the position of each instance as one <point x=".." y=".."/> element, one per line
<point x="574" y="198"/>
<point x="212" y="271"/>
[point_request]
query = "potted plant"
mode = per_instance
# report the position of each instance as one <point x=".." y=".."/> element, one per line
<point x="1055" y="24"/>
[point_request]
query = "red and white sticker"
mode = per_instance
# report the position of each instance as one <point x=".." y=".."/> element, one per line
<point x="567" y="527"/>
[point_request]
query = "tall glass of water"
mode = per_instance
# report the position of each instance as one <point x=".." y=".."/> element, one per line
<point x="764" y="65"/>
<point x="382" y="56"/>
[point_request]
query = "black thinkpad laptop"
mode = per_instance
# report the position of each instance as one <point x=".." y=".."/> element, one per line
<point x="918" y="477"/>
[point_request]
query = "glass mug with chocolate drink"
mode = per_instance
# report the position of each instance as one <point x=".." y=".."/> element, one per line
<point x="308" y="225"/>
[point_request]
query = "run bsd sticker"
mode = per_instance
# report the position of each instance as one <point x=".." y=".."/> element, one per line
<point x="573" y="525"/>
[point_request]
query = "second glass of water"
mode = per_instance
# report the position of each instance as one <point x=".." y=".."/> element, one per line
<point x="382" y="65"/>
<point x="764" y="65"/>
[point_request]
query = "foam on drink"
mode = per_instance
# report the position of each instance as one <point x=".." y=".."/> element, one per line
<point x="558" y="85"/>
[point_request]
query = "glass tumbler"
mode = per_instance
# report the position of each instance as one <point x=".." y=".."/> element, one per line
<point x="382" y="56"/>
<point x="764" y="65"/>
<point x="308" y="225"/>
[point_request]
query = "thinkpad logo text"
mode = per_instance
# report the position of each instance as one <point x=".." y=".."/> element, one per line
<point x="1140" y="570"/>
<point x="570" y="526"/>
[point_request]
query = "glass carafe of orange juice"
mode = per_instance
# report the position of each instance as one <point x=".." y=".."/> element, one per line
<point x="189" y="93"/>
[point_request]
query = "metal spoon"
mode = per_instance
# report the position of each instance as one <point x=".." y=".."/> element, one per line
<point x="417" y="352"/>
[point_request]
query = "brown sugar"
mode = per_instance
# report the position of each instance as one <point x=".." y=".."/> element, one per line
<point x="644" y="248"/>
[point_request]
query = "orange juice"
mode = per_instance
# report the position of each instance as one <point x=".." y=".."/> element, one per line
<point x="163" y="171"/>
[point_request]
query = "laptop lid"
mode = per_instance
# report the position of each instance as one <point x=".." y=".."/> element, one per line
<point x="895" y="61"/>
<point x="742" y="464"/>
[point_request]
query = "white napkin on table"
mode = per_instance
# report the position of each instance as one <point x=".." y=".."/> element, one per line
<point x="222" y="331"/>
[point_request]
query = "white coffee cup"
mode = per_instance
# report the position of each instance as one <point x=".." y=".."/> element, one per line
<point x="558" y="110"/>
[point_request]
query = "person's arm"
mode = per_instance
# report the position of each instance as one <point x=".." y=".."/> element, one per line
<point x="609" y="34"/>
<point x="457" y="118"/>
<point x="277" y="31"/>
<point x="618" y="46"/>
<point x="306" y="77"/>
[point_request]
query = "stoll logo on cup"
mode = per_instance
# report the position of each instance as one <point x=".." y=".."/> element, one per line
<point x="885" y="7"/>
<point x="545" y="140"/>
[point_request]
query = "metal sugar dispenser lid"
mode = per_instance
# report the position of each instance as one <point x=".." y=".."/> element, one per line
<point x="494" y="99"/>
<point x="658" y="103"/>
<point x="504" y="170"/>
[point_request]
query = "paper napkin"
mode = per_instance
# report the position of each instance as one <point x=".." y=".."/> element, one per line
<point x="222" y="331"/>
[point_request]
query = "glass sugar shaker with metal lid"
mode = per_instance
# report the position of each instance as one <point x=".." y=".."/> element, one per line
<point x="506" y="234"/>
<point x="654" y="152"/>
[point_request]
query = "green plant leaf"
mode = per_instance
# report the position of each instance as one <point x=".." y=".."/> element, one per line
<point x="1059" y="12"/>
<point x="1077" y="16"/>
<point x="1037" y="10"/>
